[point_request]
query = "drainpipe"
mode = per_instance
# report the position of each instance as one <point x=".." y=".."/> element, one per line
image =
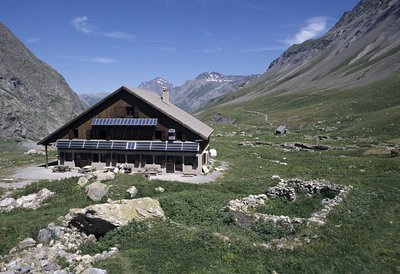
<point x="47" y="156"/>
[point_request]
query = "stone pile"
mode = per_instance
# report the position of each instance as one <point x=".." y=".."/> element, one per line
<point x="53" y="245"/>
<point x="56" y="248"/>
<point x="31" y="201"/>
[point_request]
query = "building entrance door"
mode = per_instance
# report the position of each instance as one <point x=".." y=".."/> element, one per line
<point x="77" y="160"/>
<point x="170" y="165"/>
<point x="178" y="163"/>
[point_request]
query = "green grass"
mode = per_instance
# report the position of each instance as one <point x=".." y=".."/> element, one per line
<point x="302" y="207"/>
<point x="362" y="235"/>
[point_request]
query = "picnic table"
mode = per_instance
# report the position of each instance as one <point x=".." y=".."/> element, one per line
<point x="61" y="168"/>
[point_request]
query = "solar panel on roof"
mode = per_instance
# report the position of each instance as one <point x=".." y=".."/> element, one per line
<point x="124" y="122"/>
<point x="158" y="145"/>
<point x="119" y="145"/>
<point x="76" y="144"/>
<point x="174" y="146"/>
<point x="90" y="144"/>
<point x="131" y="146"/>
<point x="62" y="144"/>
<point x="190" y="147"/>
<point x="104" y="145"/>
<point x="143" y="145"/>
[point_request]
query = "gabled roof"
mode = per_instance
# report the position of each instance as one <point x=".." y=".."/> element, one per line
<point x="154" y="100"/>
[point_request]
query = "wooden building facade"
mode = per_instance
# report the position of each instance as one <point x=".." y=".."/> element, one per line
<point x="137" y="128"/>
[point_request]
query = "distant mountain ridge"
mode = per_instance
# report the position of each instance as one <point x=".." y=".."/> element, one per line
<point x="196" y="93"/>
<point x="34" y="98"/>
<point x="363" y="47"/>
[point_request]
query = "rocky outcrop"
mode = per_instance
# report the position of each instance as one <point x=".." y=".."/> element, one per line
<point x="31" y="201"/>
<point x="34" y="99"/>
<point x="100" y="218"/>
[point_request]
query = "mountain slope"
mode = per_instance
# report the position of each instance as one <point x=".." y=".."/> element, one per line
<point x="34" y="98"/>
<point x="194" y="94"/>
<point x="362" y="48"/>
<point x="91" y="99"/>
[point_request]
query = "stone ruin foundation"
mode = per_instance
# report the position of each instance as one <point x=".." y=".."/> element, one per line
<point x="241" y="209"/>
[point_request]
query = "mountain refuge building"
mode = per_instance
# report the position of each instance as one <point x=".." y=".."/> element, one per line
<point x="137" y="128"/>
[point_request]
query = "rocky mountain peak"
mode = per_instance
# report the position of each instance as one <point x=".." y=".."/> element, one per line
<point x="33" y="96"/>
<point x="157" y="84"/>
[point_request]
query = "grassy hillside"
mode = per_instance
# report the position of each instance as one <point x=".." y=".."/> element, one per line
<point x="362" y="235"/>
<point x="373" y="110"/>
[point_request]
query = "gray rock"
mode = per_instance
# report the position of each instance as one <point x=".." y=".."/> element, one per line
<point x="26" y="243"/>
<point x="159" y="189"/>
<point x="96" y="191"/>
<point x="104" y="176"/>
<point x="44" y="236"/>
<point x="82" y="181"/>
<point x="132" y="191"/>
<point x="25" y="269"/>
<point x="8" y="202"/>
<point x="93" y="270"/>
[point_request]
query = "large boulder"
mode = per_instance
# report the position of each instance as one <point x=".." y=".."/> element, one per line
<point x="100" y="218"/>
<point x="96" y="191"/>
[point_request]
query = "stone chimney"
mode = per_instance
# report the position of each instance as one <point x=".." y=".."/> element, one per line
<point x="165" y="95"/>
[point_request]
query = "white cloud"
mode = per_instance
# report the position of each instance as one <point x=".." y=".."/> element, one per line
<point x="315" y="27"/>
<point x="81" y="24"/>
<point x="100" y="60"/>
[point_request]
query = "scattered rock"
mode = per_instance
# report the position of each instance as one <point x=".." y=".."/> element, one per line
<point x="213" y="152"/>
<point x="93" y="270"/>
<point x="104" y="176"/>
<point x="44" y="236"/>
<point x="100" y="218"/>
<point x="31" y="201"/>
<point x="8" y="202"/>
<point x="82" y="181"/>
<point x="395" y="152"/>
<point x="96" y="191"/>
<point x="132" y="191"/>
<point x="28" y="242"/>
<point x="159" y="189"/>
<point x="221" y="119"/>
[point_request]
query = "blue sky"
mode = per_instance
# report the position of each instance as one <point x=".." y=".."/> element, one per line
<point x="100" y="45"/>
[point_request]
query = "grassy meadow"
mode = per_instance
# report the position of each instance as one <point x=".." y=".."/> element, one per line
<point x="362" y="235"/>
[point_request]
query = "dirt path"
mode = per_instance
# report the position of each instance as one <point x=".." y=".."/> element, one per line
<point x="260" y="113"/>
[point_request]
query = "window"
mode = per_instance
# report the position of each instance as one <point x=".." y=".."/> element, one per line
<point x="95" y="157"/>
<point x="129" y="111"/>
<point x="131" y="158"/>
<point x="76" y="133"/>
<point x="149" y="159"/>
